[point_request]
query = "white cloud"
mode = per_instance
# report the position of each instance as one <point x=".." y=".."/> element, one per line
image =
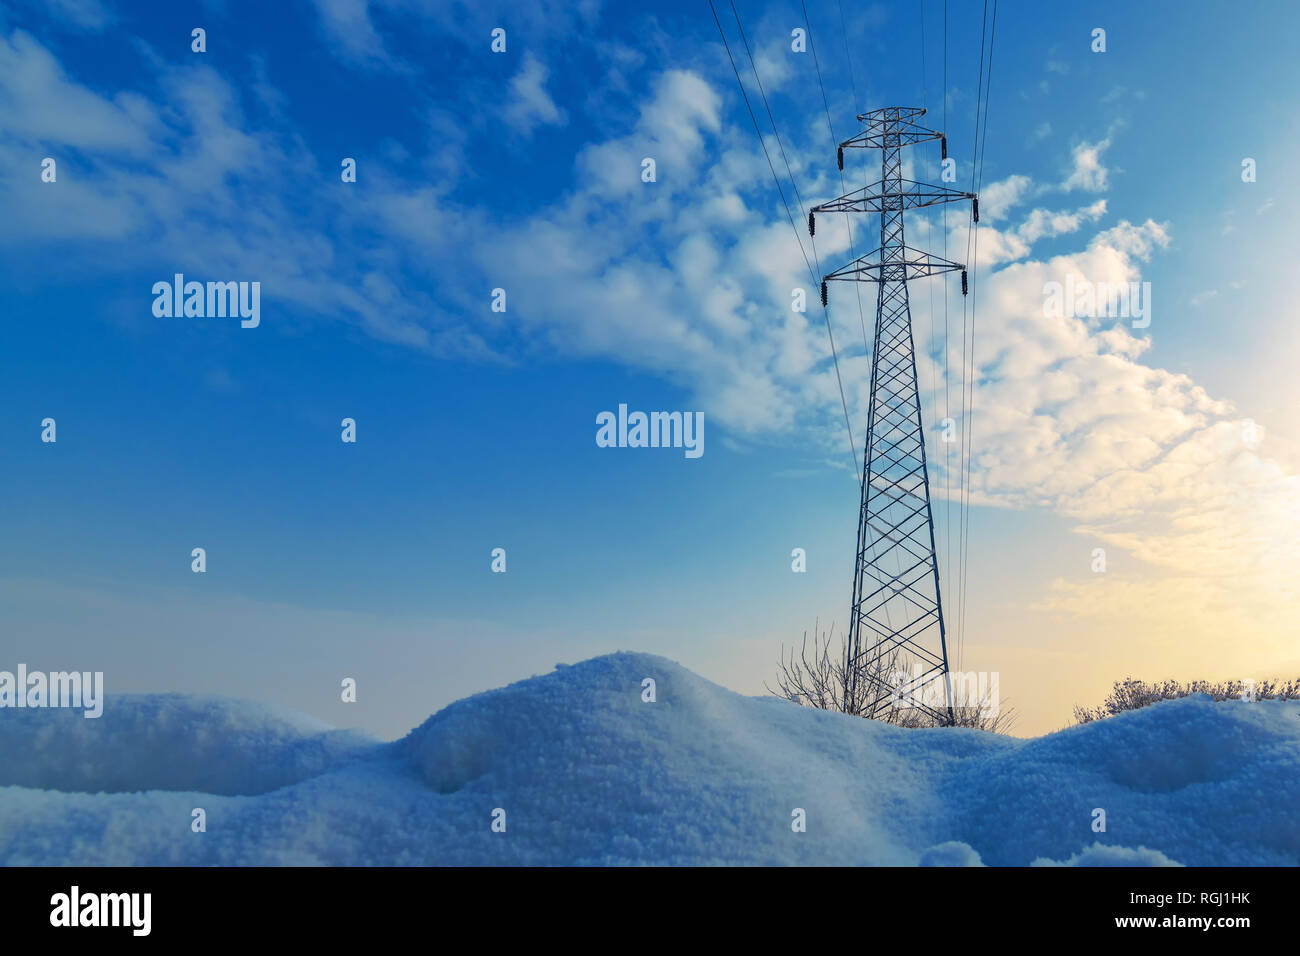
<point x="1068" y="417"/>
<point x="90" y="15"/>
<point x="671" y="129"/>
<point x="998" y="198"/>
<point x="354" y="26"/>
<point x="1089" y="174"/>
<point x="348" y="24"/>
<point x="39" y="103"/>
<point x="1009" y="244"/>
<point x="529" y="105"/>
<point x="1043" y="223"/>
<point x="143" y="176"/>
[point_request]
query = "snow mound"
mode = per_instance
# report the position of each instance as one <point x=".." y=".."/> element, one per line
<point x="952" y="853"/>
<point x="580" y="768"/>
<point x="1101" y="855"/>
<point x="169" y="742"/>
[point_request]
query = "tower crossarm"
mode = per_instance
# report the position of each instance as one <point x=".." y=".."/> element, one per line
<point x="882" y="134"/>
<point x="914" y="264"/>
<point x="878" y="198"/>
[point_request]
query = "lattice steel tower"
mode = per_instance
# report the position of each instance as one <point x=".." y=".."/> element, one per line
<point x="897" y="603"/>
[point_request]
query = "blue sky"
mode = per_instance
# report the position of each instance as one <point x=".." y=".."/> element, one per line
<point x="521" y="170"/>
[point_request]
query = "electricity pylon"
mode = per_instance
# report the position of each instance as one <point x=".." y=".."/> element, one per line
<point x="897" y="605"/>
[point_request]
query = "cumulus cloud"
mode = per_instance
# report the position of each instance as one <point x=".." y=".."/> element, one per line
<point x="998" y="198"/>
<point x="1070" y="418"/>
<point x="1043" y="223"/>
<point x="1089" y="174"/>
<point x="1000" y="245"/>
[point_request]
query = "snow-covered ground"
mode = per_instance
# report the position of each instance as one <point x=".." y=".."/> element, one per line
<point x="589" y="773"/>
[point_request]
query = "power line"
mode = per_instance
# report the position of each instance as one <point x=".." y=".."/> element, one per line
<point x="932" y="390"/>
<point x="983" y="143"/>
<point x="969" y="365"/>
<point x="848" y="221"/>
<point x="948" y="450"/>
<point x="962" y="499"/>
<point x="761" y="142"/>
<point x="772" y="119"/>
<point x="853" y="453"/>
<point x="965" y="350"/>
<point x="843" y="188"/>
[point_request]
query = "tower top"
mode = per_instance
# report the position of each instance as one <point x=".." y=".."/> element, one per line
<point x="891" y="113"/>
<point x="893" y="126"/>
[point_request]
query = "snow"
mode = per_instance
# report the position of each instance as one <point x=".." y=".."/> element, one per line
<point x="589" y="773"/>
<point x="1101" y="855"/>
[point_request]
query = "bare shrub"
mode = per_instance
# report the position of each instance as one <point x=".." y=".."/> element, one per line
<point x="814" y="677"/>
<point x="1132" y="694"/>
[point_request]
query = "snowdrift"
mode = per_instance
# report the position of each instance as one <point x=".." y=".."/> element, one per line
<point x="587" y="772"/>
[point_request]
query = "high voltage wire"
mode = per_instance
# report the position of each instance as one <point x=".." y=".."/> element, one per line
<point x="790" y="173"/>
<point x="968" y="350"/>
<point x="843" y="187"/>
<point x="948" y="567"/>
<point x="772" y="119"/>
<point x="763" y="143"/>
<point x="965" y="352"/>
<point x="848" y="220"/>
<point x="925" y="104"/>
<point x="947" y="375"/>
<point x="943" y="228"/>
<point x="933" y="389"/>
<point x="969" y="370"/>
<point x="853" y="453"/>
<point x="983" y="143"/>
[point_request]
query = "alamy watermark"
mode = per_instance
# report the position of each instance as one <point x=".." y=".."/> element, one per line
<point x="75" y="689"/>
<point x="75" y="908"/>
<point x="653" y="430"/>
<point x="179" y="298"/>
<point x="972" y="691"/>
<point x="1115" y="300"/>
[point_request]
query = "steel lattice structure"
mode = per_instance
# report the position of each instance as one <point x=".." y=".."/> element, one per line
<point x="897" y="603"/>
